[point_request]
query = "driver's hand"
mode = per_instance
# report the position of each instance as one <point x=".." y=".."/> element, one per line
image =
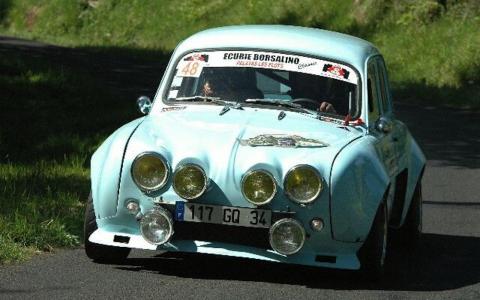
<point x="327" y="107"/>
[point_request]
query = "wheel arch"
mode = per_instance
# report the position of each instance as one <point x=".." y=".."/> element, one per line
<point x="105" y="169"/>
<point x="359" y="183"/>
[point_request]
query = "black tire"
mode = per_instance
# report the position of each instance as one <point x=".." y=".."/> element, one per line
<point x="373" y="253"/>
<point x="100" y="253"/>
<point x="409" y="235"/>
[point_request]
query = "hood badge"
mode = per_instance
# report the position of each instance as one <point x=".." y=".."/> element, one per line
<point x="282" y="140"/>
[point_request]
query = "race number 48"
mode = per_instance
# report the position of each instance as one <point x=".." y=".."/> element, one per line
<point x="191" y="69"/>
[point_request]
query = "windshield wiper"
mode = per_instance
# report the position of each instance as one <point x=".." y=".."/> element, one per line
<point x="281" y="102"/>
<point x="230" y="105"/>
<point x="227" y="105"/>
<point x="200" y="98"/>
<point x="274" y="102"/>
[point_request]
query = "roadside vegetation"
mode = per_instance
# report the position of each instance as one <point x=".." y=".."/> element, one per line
<point x="53" y="114"/>
<point x="430" y="46"/>
<point x="55" y="110"/>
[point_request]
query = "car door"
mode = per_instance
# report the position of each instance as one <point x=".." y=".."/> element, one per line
<point x="381" y="126"/>
<point x="399" y="130"/>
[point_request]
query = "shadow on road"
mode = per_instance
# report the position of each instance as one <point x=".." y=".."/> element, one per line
<point x="449" y="136"/>
<point x="441" y="263"/>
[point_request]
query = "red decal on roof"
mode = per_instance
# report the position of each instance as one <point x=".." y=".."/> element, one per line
<point x="197" y="57"/>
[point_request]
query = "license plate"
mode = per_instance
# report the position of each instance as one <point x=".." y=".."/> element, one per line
<point x="227" y="215"/>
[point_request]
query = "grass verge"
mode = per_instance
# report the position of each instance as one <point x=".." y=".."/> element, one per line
<point x="57" y="105"/>
<point x="42" y="207"/>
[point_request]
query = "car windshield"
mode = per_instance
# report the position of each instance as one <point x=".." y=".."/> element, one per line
<point x="268" y="79"/>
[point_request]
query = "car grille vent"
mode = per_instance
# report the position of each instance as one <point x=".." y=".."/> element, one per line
<point x="121" y="239"/>
<point x="326" y="258"/>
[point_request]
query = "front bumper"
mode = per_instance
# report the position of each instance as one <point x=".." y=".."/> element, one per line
<point x="344" y="258"/>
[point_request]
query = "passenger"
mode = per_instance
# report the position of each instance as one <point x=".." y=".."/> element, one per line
<point x="309" y="89"/>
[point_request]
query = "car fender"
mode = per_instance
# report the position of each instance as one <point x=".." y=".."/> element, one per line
<point x="106" y="165"/>
<point x="358" y="183"/>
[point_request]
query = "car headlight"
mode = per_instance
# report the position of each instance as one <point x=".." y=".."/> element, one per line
<point x="287" y="236"/>
<point x="157" y="226"/>
<point x="303" y="184"/>
<point x="190" y="181"/>
<point x="149" y="171"/>
<point x="258" y="187"/>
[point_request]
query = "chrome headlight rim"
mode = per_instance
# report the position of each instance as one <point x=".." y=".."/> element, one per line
<point x="245" y="176"/>
<point x="205" y="180"/>
<point x="314" y="197"/>
<point x="164" y="180"/>
<point x="165" y="214"/>
<point x="280" y="222"/>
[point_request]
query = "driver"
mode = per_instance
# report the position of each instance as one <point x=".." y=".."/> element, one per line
<point x="214" y="86"/>
<point x="230" y="84"/>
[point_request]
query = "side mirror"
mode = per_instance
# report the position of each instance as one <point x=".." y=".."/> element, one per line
<point x="383" y="125"/>
<point x="144" y="104"/>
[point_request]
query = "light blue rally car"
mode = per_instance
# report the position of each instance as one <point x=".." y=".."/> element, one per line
<point x="276" y="143"/>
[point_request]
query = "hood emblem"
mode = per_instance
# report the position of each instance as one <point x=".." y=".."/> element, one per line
<point x="282" y="140"/>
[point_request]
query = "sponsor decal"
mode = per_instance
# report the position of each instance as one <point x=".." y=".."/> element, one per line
<point x="197" y="57"/>
<point x="259" y="64"/>
<point x="192" y="65"/>
<point x="336" y="70"/>
<point x="262" y="57"/>
<point x="303" y="66"/>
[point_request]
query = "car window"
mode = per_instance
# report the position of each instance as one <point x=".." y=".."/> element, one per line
<point x="241" y="76"/>
<point x="384" y="89"/>
<point x="373" y="96"/>
<point x="274" y="86"/>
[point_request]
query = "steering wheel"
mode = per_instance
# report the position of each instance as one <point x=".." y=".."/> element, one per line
<point x="310" y="103"/>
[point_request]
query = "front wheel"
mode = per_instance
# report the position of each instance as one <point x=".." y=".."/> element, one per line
<point x="100" y="253"/>
<point x="373" y="253"/>
<point x="410" y="233"/>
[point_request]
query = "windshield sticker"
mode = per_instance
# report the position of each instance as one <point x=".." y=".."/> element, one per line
<point x="193" y="64"/>
<point x="336" y="70"/>
<point x="190" y="69"/>
<point x="197" y="57"/>
<point x="303" y="66"/>
<point x="177" y="82"/>
<point x="172" y="94"/>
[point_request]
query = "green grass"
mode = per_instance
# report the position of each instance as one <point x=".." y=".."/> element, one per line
<point x="43" y="179"/>
<point x="434" y="59"/>
<point x="42" y="206"/>
<point x="54" y="113"/>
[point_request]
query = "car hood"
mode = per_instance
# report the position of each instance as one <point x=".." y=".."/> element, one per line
<point x="229" y="145"/>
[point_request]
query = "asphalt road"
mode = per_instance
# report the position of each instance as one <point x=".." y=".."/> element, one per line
<point x="446" y="266"/>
